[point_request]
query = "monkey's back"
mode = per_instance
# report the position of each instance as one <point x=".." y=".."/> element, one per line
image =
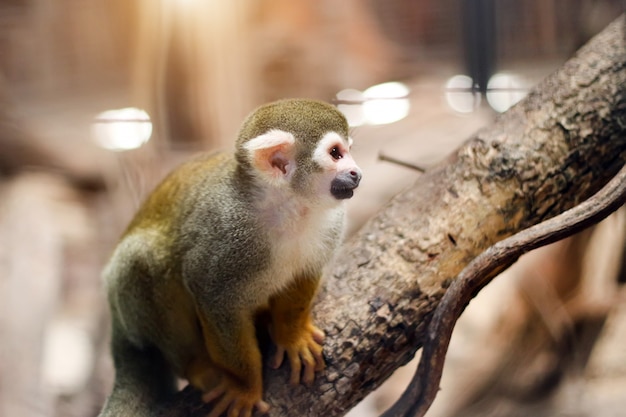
<point x="149" y="299"/>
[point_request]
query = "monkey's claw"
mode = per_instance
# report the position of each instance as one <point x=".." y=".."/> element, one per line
<point x="304" y="353"/>
<point x="232" y="401"/>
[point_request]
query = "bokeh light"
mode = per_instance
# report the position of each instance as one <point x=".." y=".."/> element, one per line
<point x="352" y="106"/>
<point x="504" y="90"/>
<point x="461" y="95"/>
<point x="379" y="104"/>
<point x="122" y="129"/>
<point x="386" y="103"/>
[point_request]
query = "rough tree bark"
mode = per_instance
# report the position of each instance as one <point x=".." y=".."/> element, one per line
<point x="547" y="154"/>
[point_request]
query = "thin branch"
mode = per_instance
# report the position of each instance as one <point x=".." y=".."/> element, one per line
<point x="423" y="388"/>
<point x="386" y="158"/>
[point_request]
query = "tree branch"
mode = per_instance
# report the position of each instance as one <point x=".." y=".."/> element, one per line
<point x="422" y="390"/>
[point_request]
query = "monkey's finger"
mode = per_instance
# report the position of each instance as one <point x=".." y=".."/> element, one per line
<point x="238" y="409"/>
<point x="220" y="407"/>
<point x="278" y="358"/>
<point x="309" y="367"/>
<point x="216" y="392"/>
<point x="319" y="358"/>
<point x="241" y="409"/>
<point x="318" y="334"/>
<point x="296" y="368"/>
<point x="245" y="412"/>
<point x="262" y="406"/>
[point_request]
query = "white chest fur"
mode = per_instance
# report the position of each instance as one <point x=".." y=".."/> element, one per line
<point x="303" y="240"/>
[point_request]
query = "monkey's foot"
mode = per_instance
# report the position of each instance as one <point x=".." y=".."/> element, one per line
<point x="304" y="352"/>
<point x="202" y="374"/>
<point x="233" y="401"/>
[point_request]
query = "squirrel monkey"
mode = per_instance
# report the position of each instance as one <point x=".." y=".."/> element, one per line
<point x="224" y="238"/>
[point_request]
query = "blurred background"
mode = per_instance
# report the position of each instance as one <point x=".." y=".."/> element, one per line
<point x="100" y="98"/>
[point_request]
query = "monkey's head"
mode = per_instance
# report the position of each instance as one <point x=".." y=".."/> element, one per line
<point x="300" y="145"/>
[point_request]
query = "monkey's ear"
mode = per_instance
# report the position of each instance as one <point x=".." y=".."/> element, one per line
<point x="272" y="154"/>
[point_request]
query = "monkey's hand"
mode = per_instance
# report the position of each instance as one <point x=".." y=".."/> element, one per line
<point x="303" y="349"/>
<point x="233" y="400"/>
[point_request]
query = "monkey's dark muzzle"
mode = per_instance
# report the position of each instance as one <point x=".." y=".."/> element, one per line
<point x="343" y="185"/>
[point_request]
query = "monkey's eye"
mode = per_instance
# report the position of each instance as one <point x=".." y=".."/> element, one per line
<point x="335" y="153"/>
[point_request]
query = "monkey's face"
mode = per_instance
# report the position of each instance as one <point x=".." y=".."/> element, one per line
<point x="338" y="174"/>
<point x="324" y="172"/>
<point x="299" y="148"/>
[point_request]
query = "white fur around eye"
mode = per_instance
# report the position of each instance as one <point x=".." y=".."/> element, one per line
<point x="270" y="139"/>
<point x="321" y="153"/>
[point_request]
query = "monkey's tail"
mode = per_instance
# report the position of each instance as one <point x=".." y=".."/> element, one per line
<point x="143" y="380"/>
